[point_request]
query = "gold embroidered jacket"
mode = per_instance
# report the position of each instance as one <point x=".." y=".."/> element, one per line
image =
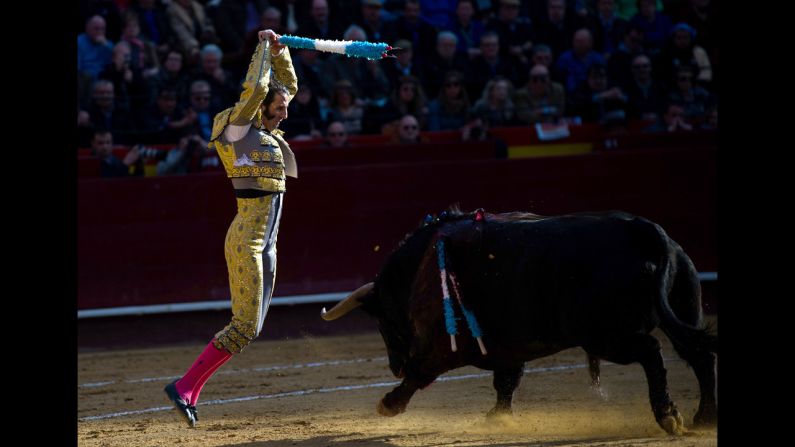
<point x="261" y="159"/>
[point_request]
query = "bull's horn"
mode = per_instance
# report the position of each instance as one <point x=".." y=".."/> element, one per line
<point x="348" y="304"/>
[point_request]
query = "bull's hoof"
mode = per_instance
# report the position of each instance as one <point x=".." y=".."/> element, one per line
<point x="673" y="423"/>
<point x="385" y="410"/>
<point x="599" y="391"/>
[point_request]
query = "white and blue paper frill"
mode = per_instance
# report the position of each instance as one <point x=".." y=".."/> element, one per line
<point x="372" y="51"/>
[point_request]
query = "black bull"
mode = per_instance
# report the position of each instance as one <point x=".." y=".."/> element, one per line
<point x="538" y="285"/>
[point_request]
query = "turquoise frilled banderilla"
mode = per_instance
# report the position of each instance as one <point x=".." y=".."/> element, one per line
<point x="368" y="50"/>
<point x="449" y="312"/>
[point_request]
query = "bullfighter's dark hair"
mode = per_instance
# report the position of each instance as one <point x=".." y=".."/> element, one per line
<point x="273" y="88"/>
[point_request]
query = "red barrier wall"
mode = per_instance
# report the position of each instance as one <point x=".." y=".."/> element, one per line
<point x="160" y="239"/>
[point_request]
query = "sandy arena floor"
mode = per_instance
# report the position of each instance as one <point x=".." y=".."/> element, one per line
<point x="322" y="391"/>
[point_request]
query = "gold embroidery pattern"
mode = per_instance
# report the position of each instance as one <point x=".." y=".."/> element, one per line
<point x="257" y="171"/>
<point x="219" y="124"/>
<point x="267" y="156"/>
<point x="267" y="140"/>
<point x="245" y="241"/>
<point x="284" y="72"/>
<point x="255" y="87"/>
<point x="272" y="184"/>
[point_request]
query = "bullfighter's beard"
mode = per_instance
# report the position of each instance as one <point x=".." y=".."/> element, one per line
<point x="266" y="117"/>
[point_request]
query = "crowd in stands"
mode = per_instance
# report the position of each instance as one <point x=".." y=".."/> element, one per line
<point x="157" y="71"/>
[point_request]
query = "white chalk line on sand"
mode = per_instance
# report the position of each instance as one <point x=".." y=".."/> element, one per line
<point x="332" y="390"/>
<point x="239" y="371"/>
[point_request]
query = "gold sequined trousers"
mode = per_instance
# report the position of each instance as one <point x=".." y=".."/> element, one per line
<point x="250" y="250"/>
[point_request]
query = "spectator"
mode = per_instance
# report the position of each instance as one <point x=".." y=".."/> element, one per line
<point x="626" y="9"/>
<point x="514" y="31"/>
<point x="111" y="166"/>
<point x="271" y="19"/>
<point x="106" y="9"/>
<point x="682" y="51"/>
<point x="655" y="25"/>
<point x="408" y="98"/>
<point x="537" y="10"/>
<point x="318" y="25"/>
<point x="309" y="69"/>
<point x="408" y="130"/>
<point x="695" y="99"/>
<point x="172" y="77"/>
<point x="166" y="121"/>
<point x="154" y="25"/>
<point x="222" y="83"/>
<point x="294" y="13"/>
<point x="128" y="83"/>
<point x="179" y="160"/>
<point x="467" y="29"/>
<point x="234" y="18"/>
<point x="236" y="60"/>
<point x="558" y="27"/>
<point x="106" y="115"/>
<point x="701" y="15"/>
<point x="619" y="65"/>
<point x="94" y="50"/>
<point x="447" y="58"/>
<point x="192" y="28"/>
<point x="596" y="100"/>
<point x="373" y="23"/>
<point x="490" y="64"/>
<point x="416" y="30"/>
<point x="404" y="64"/>
<point x="344" y="107"/>
<point x="646" y="96"/>
<point x="541" y="54"/>
<point x="573" y="65"/>
<point x="200" y="104"/>
<point x="439" y="13"/>
<point x="84" y="128"/>
<point x="450" y="109"/>
<point x="368" y="79"/>
<point x="671" y="121"/>
<point x="336" y="135"/>
<point x="540" y="100"/>
<point x="607" y="28"/>
<point x="495" y="107"/>
<point x="143" y="54"/>
<point x="304" y="112"/>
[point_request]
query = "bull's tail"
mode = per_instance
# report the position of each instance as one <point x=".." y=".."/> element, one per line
<point x="675" y="275"/>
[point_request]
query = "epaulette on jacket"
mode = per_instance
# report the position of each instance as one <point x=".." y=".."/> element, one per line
<point x="220" y="122"/>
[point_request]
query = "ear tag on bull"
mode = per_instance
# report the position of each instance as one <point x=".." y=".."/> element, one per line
<point x="480" y="215"/>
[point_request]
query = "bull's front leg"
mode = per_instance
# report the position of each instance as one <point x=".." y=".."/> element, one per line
<point x="506" y="380"/>
<point x="395" y="401"/>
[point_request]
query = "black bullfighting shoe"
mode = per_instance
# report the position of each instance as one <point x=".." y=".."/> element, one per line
<point x="195" y="413"/>
<point x="182" y="407"/>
